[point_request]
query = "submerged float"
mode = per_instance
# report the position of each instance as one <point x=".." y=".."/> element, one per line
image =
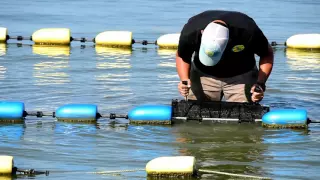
<point x="179" y="111"/>
<point x="62" y="36"/>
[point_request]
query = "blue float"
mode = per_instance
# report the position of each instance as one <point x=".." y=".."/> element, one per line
<point x="11" y="110"/>
<point x="151" y="113"/>
<point x="77" y="112"/>
<point x="285" y="117"/>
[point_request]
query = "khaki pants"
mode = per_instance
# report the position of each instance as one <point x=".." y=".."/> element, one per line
<point x="233" y="89"/>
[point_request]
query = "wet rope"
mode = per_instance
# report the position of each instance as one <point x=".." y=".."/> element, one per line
<point x="231" y="174"/>
<point x="200" y="170"/>
<point x="119" y="171"/>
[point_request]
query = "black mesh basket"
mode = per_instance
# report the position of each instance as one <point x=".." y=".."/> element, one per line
<point x="195" y="110"/>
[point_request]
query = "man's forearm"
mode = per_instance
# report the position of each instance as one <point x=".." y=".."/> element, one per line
<point x="183" y="68"/>
<point x="265" y="66"/>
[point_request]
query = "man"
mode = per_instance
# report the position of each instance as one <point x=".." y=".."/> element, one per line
<point x="216" y="56"/>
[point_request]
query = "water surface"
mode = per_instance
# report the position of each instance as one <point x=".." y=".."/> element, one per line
<point x="116" y="80"/>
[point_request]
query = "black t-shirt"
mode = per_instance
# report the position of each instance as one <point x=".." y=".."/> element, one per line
<point x="245" y="40"/>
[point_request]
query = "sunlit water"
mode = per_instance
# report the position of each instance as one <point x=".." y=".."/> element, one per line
<point x="117" y="80"/>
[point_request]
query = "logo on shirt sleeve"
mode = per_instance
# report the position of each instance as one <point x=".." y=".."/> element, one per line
<point x="238" y="48"/>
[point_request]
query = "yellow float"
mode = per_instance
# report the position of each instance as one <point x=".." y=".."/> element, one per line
<point x="172" y="166"/>
<point x="52" y="36"/>
<point x="62" y="36"/>
<point x="304" y="41"/>
<point x="6" y="165"/>
<point x="3" y="34"/>
<point x="114" y="38"/>
<point x="168" y="41"/>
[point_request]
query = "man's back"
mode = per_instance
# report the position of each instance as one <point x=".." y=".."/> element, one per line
<point x="245" y="40"/>
<point x="232" y="18"/>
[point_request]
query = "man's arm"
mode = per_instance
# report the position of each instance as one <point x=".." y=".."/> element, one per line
<point x="265" y="68"/>
<point x="264" y="50"/>
<point x="183" y="68"/>
<point x="183" y="61"/>
<point x="265" y="65"/>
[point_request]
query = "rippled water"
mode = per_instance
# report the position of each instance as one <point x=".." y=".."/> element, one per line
<point x="117" y="80"/>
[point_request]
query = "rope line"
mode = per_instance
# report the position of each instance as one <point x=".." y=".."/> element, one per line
<point x="135" y="170"/>
<point x="231" y="174"/>
<point x="200" y="170"/>
<point x="118" y="171"/>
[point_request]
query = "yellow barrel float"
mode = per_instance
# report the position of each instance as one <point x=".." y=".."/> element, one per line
<point x="304" y="41"/>
<point x="168" y="41"/>
<point x="52" y="36"/>
<point x="3" y="34"/>
<point x="6" y="165"/>
<point x="114" y="38"/>
<point x="172" y="166"/>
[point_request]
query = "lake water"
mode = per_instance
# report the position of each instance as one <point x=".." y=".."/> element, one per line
<point x="117" y="80"/>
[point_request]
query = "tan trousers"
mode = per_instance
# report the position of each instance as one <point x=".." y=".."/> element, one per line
<point x="233" y="89"/>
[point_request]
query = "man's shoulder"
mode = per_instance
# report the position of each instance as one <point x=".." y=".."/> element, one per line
<point x="200" y="20"/>
<point x="217" y="13"/>
<point x="205" y="14"/>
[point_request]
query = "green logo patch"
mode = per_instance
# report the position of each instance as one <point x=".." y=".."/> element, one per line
<point x="238" y="48"/>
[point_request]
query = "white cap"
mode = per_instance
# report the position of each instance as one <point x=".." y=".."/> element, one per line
<point x="213" y="42"/>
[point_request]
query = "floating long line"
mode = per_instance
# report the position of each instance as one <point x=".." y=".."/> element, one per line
<point x="30" y="172"/>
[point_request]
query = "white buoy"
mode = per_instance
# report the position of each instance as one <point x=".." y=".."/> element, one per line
<point x="52" y="36"/>
<point x="172" y="166"/>
<point x="168" y="41"/>
<point x="114" y="38"/>
<point x="6" y="164"/>
<point x="304" y="41"/>
<point x="3" y="34"/>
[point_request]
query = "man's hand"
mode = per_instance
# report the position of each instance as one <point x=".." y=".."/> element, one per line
<point x="184" y="89"/>
<point x="257" y="93"/>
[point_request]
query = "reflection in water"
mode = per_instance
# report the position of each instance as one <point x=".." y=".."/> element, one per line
<point x="115" y="65"/>
<point x="286" y="149"/>
<point x="113" y="78"/>
<point x="167" y="53"/>
<point x="11" y="133"/>
<point x="51" y="51"/>
<point x="6" y="177"/>
<point x="116" y="57"/>
<point x="247" y="149"/>
<point x="229" y="148"/>
<point x="167" y="57"/>
<point x="35" y="128"/>
<point x="3" y="49"/>
<point x="48" y="72"/>
<point x="69" y="128"/>
<point x="3" y="71"/>
<point x="303" y="59"/>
